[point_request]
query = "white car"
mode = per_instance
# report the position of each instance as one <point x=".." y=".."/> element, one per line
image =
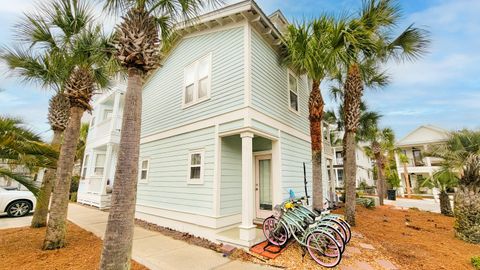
<point x="16" y="203"/>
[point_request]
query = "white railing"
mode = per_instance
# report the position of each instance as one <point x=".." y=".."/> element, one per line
<point x="95" y="184"/>
<point x="339" y="161"/>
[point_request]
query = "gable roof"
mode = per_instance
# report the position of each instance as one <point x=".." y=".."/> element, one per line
<point x="424" y="134"/>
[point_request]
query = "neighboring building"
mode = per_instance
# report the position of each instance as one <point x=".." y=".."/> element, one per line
<point x="225" y="131"/>
<point x="364" y="163"/>
<point x="414" y="146"/>
<point x="36" y="177"/>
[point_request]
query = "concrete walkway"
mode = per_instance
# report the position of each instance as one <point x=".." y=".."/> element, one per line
<point x="424" y="205"/>
<point x="155" y="250"/>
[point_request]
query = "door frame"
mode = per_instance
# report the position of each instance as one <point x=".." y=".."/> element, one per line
<point x="260" y="155"/>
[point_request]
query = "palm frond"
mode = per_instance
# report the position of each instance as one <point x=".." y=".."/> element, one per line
<point x="23" y="180"/>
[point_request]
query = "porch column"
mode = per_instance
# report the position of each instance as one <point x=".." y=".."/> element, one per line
<point x="106" y="168"/>
<point x="333" y="185"/>
<point x="247" y="229"/>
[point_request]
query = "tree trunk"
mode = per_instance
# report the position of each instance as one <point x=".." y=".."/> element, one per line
<point x="467" y="213"/>
<point x="117" y="245"/>
<point x="407" y="182"/>
<point x="39" y="218"/>
<point x="57" y="225"/>
<point x="353" y="91"/>
<point x="445" y="206"/>
<point x="381" y="185"/>
<point x="315" y="106"/>
<point x="350" y="170"/>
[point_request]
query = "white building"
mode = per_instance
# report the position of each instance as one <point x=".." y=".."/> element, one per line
<point x="414" y="146"/>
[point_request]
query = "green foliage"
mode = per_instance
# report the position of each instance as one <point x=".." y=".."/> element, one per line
<point x="394" y="181"/>
<point x="363" y="185"/>
<point x="476" y="262"/>
<point x="73" y="197"/>
<point x="367" y="202"/>
<point x="75" y="183"/>
<point x="443" y="179"/>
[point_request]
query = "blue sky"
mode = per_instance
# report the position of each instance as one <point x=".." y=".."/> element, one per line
<point x="442" y="89"/>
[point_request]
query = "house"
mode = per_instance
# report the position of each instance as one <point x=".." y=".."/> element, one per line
<point x="225" y="131"/>
<point x="420" y="166"/>
<point x="35" y="176"/>
<point x="364" y="162"/>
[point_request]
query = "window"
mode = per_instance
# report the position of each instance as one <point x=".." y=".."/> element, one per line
<point x="107" y="114"/>
<point x="293" y="92"/>
<point x="197" y="81"/>
<point x="340" y="175"/>
<point x="84" y="168"/>
<point x="92" y="122"/>
<point x="144" y="167"/>
<point x="195" y="167"/>
<point x="99" y="164"/>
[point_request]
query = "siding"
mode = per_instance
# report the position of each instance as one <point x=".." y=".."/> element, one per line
<point x="231" y="125"/>
<point x="231" y="177"/>
<point x="294" y="152"/>
<point x="269" y="87"/>
<point x="162" y="94"/>
<point x="167" y="180"/>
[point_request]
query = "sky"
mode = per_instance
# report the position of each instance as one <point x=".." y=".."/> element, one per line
<point x="441" y="89"/>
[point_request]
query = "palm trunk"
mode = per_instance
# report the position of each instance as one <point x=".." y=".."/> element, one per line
<point x="353" y="91"/>
<point x="57" y="225"/>
<point x="315" y="106"/>
<point x="117" y="245"/>
<point x="407" y="182"/>
<point x="467" y="213"/>
<point x="381" y="185"/>
<point x="445" y="206"/>
<point x="39" y="218"/>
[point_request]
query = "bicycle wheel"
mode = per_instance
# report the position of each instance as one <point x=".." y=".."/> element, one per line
<point x="331" y="228"/>
<point x="323" y="249"/>
<point x="275" y="232"/>
<point x="341" y="228"/>
<point x="348" y="231"/>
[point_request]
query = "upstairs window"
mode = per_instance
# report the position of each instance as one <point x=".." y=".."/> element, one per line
<point x="84" y="167"/>
<point x="107" y="114"/>
<point x="99" y="164"/>
<point x="195" y="167"/>
<point x="144" y="168"/>
<point x="292" y="92"/>
<point x="197" y="81"/>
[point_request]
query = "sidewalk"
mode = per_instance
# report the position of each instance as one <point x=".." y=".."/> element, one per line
<point x="155" y="250"/>
<point x="424" y="205"/>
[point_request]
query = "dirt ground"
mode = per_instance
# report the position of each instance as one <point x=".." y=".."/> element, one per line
<point x="415" y="239"/>
<point x="20" y="249"/>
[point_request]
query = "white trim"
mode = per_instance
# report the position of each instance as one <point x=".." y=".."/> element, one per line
<point x="247" y="129"/>
<point x="262" y="155"/>
<point x="289" y="72"/>
<point x="95" y="163"/>
<point x="217" y="172"/>
<point x="199" y="181"/>
<point x="214" y="30"/>
<point x="196" y="81"/>
<point x="247" y="45"/>
<point x="140" y="180"/>
<point x="277" y="170"/>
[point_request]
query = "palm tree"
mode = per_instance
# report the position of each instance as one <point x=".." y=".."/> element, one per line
<point x="308" y="52"/>
<point x="369" y="42"/>
<point x="443" y="179"/>
<point x="138" y="50"/>
<point x="404" y="160"/>
<point x="20" y="146"/>
<point x="82" y="143"/>
<point x="461" y="155"/>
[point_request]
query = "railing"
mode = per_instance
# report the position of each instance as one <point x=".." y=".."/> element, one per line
<point x="339" y="161"/>
<point x="95" y="184"/>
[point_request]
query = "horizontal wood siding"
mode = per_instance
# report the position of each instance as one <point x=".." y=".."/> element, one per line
<point x="231" y="126"/>
<point x="162" y="94"/>
<point x="231" y="177"/>
<point x="295" y="151"/>
<point x="264" y="128"/>
<point x="270" y="89"/>
<point x="167" y="179"/>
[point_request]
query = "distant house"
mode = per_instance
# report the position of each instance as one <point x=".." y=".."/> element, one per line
<point x="225" y="131"/>
<point x="415" y="145"/>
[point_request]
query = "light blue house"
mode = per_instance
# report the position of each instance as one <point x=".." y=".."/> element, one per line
<point x="225" y="128"/>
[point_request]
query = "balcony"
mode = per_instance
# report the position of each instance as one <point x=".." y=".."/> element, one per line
<point x="339" y="161"/>
<point x="107" y="131"/>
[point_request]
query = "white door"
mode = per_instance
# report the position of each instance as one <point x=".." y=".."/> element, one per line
<point x="263" y="186"/>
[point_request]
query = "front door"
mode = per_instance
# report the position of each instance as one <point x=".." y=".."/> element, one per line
<point x="263" y="186"/>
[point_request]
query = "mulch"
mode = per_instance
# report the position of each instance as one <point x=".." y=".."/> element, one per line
<point x="20" y="248"/>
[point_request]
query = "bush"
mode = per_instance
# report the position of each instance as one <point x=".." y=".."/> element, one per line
<point x="394" y="181"/>
<point x="368" y="203"/>
<point x="476" y="262"/>
<point x="75" y="183"/>
<point x="73" y="197"/>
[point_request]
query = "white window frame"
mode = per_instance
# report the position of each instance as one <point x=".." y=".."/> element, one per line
<point x="95" y="164"/>
<point x="199" y="181"/>
<point x="105" y="113"/>
<point x="85" y="167"/>
<point x="288" y="92"/>
<point x="196" y="80"/>
<point x="140" y="180"/>
<point x="92" y="122"/>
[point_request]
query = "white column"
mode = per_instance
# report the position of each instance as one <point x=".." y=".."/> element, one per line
<point x="106" y="168"/>
<point x="247" y="229"/>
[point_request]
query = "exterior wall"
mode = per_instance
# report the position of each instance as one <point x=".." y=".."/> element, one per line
<point x="294" y="152"/>
<point x="364" y="166"/>
<point x="270" y="87"/>
<point x="167" y="186"/>
<point x="163" y="93"/>
<point x="231" y="176"/>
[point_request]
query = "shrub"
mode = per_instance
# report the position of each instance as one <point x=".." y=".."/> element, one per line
<point x="75" y="183"/>
<point x="368" y="203"/>
<point x="476" y="262"/>
<point x="73" y="197"/>
<point x="394" y="181"/>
